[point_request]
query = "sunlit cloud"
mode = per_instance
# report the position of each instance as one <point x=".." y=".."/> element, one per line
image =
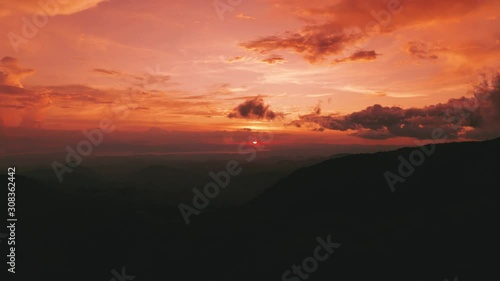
<point x="52" y="7"/>
<point x="11" y="73"/>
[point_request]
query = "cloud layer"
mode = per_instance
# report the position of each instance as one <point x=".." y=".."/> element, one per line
<point x="336" y="27"/>
<point x="474" y="117"/>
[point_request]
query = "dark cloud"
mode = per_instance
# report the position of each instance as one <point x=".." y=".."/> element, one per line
<point x="107" y="71"/>
<point x="314" y="43"/>
<point x="381" y="134"/>
<point x="364" y="55"/>
<point x="8" y="61"/>
<point x="254" y="109"/>
<point x="423" y="50"/>
<point x="195" y="97"/>
<point x="273" y="59"/>
<point x="359" y="56"/>
<point x="473" y="117"/>
<point x="317" y="109"/>
<point x="11" y="90"/>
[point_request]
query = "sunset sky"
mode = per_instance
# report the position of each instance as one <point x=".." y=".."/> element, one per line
<point x="329" y="71"/>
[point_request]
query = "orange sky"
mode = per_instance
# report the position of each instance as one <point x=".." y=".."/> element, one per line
<point x="297" y="67"/>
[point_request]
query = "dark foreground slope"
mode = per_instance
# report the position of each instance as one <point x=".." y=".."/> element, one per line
<point x="440" y="223"/>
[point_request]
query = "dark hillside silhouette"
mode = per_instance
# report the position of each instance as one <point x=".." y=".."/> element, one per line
<point x="440" y="223"/>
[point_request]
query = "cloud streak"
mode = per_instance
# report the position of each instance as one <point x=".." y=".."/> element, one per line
<point x="274" y="59"/>
<point x="359" y="56"/>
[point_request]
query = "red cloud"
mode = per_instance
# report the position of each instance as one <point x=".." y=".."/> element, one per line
<point x="336" y="26"/>
<point x="312" y="42"/>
